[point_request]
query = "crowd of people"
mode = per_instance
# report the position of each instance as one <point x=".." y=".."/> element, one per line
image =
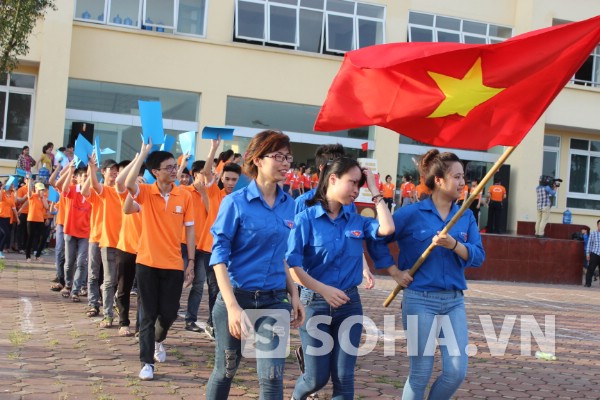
<point x="260" y="251"/>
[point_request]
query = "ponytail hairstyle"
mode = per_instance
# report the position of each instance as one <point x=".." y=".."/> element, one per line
<point x="434" y="164"/>
<point x="339" y="167"/>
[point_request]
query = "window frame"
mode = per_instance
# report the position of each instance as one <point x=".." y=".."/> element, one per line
<point x="7" y="89"/>
<point x="588" y="154"/>
<point x="556" y="150"/>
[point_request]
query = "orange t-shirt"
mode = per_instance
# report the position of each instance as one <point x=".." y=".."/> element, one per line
<point x="112" y="213"/>
<point x="96" y="217"/>
<point x="215" y="196"/>
<point x="388" y="190"/>
<point x="7" y="204"/>
<point x="407" y="189"/>
<point x="37" y="211"/>
<point x="497" y="193"/>
<point x="199" y="214"/>
<point x="60" y="211"/>
<point x="77" y="223"/>
<point x="162" y="219"/>
<point x="464" y="193"/>
<point x="22" y="192"/>
<point x="422" y="189"/>
<point x="473" y="190"/>
<point x="314" y="180"/>
<point x="131" y="227"/>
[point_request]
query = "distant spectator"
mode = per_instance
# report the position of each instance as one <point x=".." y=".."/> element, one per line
<point x="25" y="161"/>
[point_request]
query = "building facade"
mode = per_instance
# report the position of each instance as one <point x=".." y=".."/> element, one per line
<point x="259" y="64"/>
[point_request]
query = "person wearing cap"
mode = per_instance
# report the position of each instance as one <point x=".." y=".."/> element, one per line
<point x="108" y="197"/>
<point x="7" y="209"/>
<point x="38" y="206"/>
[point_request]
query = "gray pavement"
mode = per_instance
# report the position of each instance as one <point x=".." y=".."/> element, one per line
<point x="50" y="350"/>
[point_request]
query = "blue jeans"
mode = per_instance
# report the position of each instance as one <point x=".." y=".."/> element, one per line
<point x="228" y="351"/>
<point x="59" y="250"/>
<point x="211" y="281"/>
<point x="337" y="358"/>
<point x="195" y="295"/>
<point x="76" y="256"/>
<point x="109" y="266"/>
<point x="94" y="268"/>
<point x="443" y="311"/>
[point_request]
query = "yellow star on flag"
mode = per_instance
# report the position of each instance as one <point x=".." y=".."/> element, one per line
<point x="462" y="95"/>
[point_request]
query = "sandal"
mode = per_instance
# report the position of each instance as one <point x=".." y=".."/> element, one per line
<point x="75" y="298"/>
<point x="107" y="322"/>
<point x="124" y="331"/>
<point x="66" y="292"/>
<point x="92" y="312"/>
<point x="57" y="287"/>
<point x="83" y="293"/>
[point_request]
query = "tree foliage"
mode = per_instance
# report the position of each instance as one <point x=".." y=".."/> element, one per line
<point x="17" y="20"/>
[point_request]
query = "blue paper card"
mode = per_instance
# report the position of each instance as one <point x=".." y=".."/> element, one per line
<point x="53" y="195"/>
<point x="214" y="132"/>
<point x="168" y="143"/>
<point x="11" y="181"/>
<point x="97" y="150"/>
<point x="21" y="172"/>
<point x="62" y="158"/>
<point x="152" y="124"/>
<point x="83" y="150"/>
<point x="242" y="182"/>
<point x="148" y="177"/>
<point x="187" y="142"/>
<point x="107" y="150"/>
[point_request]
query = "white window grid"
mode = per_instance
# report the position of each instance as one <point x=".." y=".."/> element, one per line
<point x="595" y="82"/>
<point x="324" y="23"/>
<point x="489" y="39"/>
<point x="589" y="154"/>
<point x="142" y="16"/>
<point x="5" y="88"/>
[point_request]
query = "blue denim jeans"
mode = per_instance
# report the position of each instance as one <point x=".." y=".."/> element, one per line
<point x="94" y="268"/>
<point x="228" y="351"/>
<point x="59" y="253"/>
<point x="76" y="250"/>
<point x="109" y="266"/>
<point x="444" y="312"/>
<point x="195" y="295"/>
<point x="335" y="357"/>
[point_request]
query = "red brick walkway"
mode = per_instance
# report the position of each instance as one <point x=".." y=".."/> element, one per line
<point x="50" y="350"/>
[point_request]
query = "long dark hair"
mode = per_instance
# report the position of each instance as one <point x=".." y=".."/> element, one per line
<point x="339" y="167"/>
<point x="434" y="164"/>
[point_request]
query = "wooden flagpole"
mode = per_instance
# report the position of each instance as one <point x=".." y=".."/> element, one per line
<point x="453" y="221"/>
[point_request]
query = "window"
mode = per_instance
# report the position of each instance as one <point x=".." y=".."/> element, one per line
<point x="436" y="28"/>
<point x="318" y="26"/>
<point x="186" y="17"/>
<point x="16" y="113"/>
<point x="589" y="73"/>
<point x="584" y="174"/>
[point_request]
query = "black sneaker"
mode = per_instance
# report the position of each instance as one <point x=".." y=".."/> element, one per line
<point x="192" y="327"/>
<point x="210" y="331"/>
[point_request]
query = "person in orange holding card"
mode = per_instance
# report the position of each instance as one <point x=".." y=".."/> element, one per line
<point x="164" y="210"/>
<point x="7" y="209"/>
<point x="111" y="226"/>
<point x="38" y="205"/>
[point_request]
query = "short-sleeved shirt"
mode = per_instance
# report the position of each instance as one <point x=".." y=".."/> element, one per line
<point x="7" y="204"/>
<point x="407" y="188"/>
<point x="77" y="223"/>
<point x="112" y="214"/>
<point x="162" y="219"/>
<point x="329" y="250"/>
<point x="215" y="196"/>
<point x="60" y="214"/>
<point x="131" y="227"/>
<point x="464" y="193"/>
<point x="37" y="211"/>
<point x="388" y="190"/>
<point x="22" y="192"/>
<point x="497" y="193"/>
<point x="300" y="202"/>
<point x="96" y="218"/>
<point x="250" y="238"/>
<point x="200" y="214"/>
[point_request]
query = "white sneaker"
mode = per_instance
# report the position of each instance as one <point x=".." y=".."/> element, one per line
<point x="160" y="354"/>
<point x="147" y="373"/>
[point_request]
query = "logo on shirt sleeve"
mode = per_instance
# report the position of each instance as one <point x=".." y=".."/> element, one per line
<point x="463" y="236"/>
<point x="356" y="233"/>
<point x="290" y="224"/>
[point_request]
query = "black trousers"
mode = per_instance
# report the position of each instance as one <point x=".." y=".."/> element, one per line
<point x="126" y="274"/>
<point x="159" y="291"/>
<point x="35" y="231"/>
<point x="211" y="281"/>
<point x="593" y="264"/>
<point x="494" y="217"/>
<point x="5" y="230"/>
<point x="22" y="232"/>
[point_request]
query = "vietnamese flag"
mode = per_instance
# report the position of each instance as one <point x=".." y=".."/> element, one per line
<point x="458" y="95"/>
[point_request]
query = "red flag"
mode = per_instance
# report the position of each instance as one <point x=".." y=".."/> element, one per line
<point x="458" y="95"/>
<point x="365" y="146"/>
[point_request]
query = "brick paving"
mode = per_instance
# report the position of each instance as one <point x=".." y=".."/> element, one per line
<point x="50" y="350"/>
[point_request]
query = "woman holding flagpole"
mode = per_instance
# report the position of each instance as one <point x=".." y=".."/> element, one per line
<point x="433" y="301"/>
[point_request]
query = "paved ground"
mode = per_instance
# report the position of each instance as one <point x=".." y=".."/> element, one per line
<point x="50" y="350"/>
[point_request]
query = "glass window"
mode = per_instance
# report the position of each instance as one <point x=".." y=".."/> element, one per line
<point x="250" y="20"/>
<point x="160" y="13"/>
<point x="369" y="10"/>
<point x="123" y="99"/>
<point x="22" y="81"/>
<point x="595" y="145"/>
<point x="16" y="111"/>
<point x="18" y="115"/>
<point x="2" y="113"/>
<point x="90" y="10"/>
<point x="282" y="24"/>
<point x="311" y="30"/>
<point x="192" y="17"/>
<point x="585" y="204"/>
<point x="579" y="144"/>
<point x="369" y="32"/>
<point x="578" y="173"/>
<point x="318" y="4"/>
<point x="594" y="176"/>
<point x="427" y="28"/>
<point x="551" y="141"/>
<point x="125" y="12"/>
<point x="550" y="163"/>
<point x="341" y="6"/>
<point x="290" y="2"/>
<point x="340" y="31"/>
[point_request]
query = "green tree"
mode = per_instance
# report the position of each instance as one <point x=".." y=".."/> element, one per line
<point x="17" y="20"/>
